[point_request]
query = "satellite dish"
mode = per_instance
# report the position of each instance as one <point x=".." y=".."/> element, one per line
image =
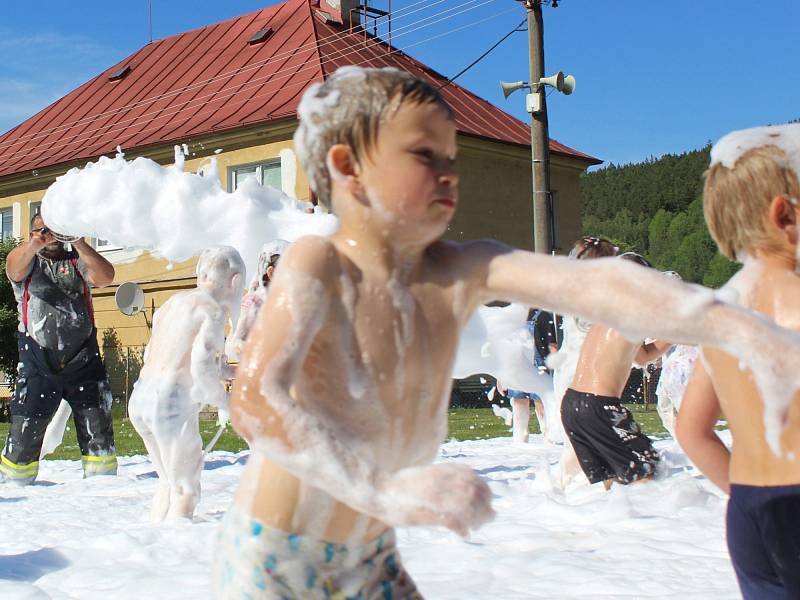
<point x="129" y="298"/>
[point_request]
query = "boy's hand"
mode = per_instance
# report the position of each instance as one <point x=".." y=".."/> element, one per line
<point x="452" y="495"/>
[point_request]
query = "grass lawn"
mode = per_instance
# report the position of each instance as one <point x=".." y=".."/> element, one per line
<point x="464" y="424"/>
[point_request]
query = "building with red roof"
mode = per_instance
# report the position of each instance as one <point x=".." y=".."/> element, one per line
<point x="233" y="87"/>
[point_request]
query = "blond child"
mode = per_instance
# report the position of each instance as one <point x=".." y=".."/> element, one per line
<point x="184" y="369"/>
<point x="750" y="203"/>
<point x="343" y="388"/>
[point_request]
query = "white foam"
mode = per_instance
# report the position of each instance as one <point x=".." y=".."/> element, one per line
<point x="140" y="204"/>
<point x="731" y="147"/>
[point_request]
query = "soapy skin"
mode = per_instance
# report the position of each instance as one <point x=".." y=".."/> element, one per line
<point x="334" y="430"/>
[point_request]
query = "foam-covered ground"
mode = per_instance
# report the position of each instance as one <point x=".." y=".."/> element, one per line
<point x="69" y="538"/>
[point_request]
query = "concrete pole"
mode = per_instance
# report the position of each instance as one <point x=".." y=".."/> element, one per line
<point x="540" y="149"/>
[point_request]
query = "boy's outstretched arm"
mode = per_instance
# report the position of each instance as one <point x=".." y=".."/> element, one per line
<point x="697" y="417"/>
<point x="641" y="302"/>
<point x="297" y="433"/>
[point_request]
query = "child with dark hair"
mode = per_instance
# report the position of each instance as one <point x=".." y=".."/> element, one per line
<point x="607" y="440"/>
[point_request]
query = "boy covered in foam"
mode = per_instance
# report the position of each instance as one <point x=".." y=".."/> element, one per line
<point x="607" y="440"/>
<point x="343" y="388"/>
<point x="184" y="369"/>
<point x="751" y="208"/>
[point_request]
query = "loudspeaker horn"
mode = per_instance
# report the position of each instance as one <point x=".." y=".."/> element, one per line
<point x="510" y="88"/>
<point x="129" y="298"/>
<point x="556" y="81"/>
<point x="569" y="85"/>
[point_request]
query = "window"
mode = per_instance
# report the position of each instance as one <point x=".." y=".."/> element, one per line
<point x="266" y="173"/>
<point x="104" y="244"/>
<point x="6" y="223"/>
<point x="34" y="208"/>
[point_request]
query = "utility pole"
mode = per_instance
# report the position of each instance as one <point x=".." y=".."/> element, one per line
<point x="540" y="139"/>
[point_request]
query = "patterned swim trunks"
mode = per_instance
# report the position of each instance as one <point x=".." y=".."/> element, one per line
<point x="255" y="562"/>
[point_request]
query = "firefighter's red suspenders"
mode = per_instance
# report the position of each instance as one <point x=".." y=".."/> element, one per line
<point x="86" y="293"/>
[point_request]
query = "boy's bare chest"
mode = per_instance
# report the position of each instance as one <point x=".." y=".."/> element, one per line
<point x="401" y="337"/>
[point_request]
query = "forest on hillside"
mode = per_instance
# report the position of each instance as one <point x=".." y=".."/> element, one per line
<point x="655" y="207"/>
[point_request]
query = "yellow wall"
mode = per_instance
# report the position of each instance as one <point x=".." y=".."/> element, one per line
<point x="495" y="202"/>
<point x="496" y="197"/>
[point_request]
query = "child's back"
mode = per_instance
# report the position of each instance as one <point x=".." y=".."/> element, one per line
<point x="773" y="292"/>
<point x="175" y="327"/>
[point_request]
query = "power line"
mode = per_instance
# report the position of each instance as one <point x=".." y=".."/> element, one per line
<point x="485" y="54"/>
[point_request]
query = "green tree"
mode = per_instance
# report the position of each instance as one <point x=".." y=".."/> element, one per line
<point x="9" y="320"/>
<point x="659" y="251"/>
<point x="123" y="364"/>
<point x="720" y="270"/>
<point x="693" y="256"/>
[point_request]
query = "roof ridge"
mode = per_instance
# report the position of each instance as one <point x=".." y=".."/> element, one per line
<point x="228" y="20"/>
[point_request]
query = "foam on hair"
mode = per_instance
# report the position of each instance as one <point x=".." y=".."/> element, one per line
<point x="348" y="109"/>
<point x="749" y="168"/>
<point x="219" y="264"/>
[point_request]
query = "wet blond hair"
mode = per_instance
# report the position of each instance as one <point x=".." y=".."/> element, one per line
<point x="348" y="109"/>
<point x="736" y="200"/>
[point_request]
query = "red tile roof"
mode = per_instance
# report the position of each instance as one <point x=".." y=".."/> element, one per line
<point x="211" y="80"/>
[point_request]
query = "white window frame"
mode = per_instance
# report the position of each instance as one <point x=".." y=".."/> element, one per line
<point x="34" y="206"/>
<point x="3" y="212"/>
<point x="232" y="171"/>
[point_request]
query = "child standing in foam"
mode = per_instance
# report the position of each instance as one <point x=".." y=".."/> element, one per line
<point x="565" y="361"/>
<point x="750" y="204"/>
<point x="184" y="369"/>
<point x="255" y="296"/>
<point x="343" y="388"/>
<point x="604" y="435"/>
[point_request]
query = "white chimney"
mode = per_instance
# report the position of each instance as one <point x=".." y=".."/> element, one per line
<point x="340" y="10"/>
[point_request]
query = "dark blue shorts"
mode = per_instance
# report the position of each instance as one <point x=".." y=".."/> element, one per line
<point x="764" y="540"/>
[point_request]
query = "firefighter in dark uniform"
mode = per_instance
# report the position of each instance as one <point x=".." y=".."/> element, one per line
<point x="58" y="353"/>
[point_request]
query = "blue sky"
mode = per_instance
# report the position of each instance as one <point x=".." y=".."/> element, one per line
<point x="653" y="77"/>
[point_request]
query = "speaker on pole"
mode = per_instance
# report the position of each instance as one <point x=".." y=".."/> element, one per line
<point x="569" y="85"/>
<point x="510" y="88"/>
